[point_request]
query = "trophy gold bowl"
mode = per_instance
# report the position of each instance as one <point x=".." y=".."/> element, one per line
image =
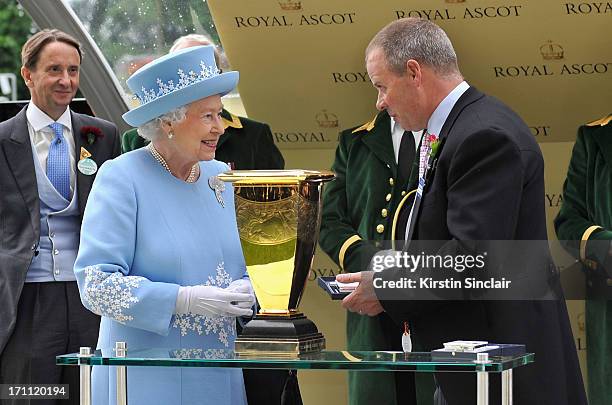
<point x="279" y="215"/>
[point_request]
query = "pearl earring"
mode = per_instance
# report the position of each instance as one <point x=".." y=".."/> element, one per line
<point x="170" y="135"/>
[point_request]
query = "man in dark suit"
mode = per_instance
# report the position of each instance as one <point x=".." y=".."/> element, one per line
<point x="48" y="160"/>
<point x="481" y="178"/>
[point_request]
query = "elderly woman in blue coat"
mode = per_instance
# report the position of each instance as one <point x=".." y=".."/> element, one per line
<point x="160" y="257"/>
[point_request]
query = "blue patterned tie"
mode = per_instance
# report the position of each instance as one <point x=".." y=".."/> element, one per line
<point x="58" y="162"/>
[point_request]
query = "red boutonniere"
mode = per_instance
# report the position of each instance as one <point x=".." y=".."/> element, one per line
<point x="91" y="134"/>
<point x="434" y="143"/>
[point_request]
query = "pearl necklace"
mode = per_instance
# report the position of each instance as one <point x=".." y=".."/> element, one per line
<point x="193" y="174"/>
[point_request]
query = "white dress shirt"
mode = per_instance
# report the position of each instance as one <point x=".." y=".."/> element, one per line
<point x="41" y="136"/>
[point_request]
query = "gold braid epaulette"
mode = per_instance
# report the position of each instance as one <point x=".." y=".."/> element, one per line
<point x="367" y="126"/>
<point x="234" y="123"/>
<point x="600" y="122"/>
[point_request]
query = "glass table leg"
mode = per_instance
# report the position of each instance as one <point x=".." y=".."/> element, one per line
<point x="507" y="387"/>
<point x="121" y="351"/>
<point x="85" y="377"/>
<point x="482" y="381"/>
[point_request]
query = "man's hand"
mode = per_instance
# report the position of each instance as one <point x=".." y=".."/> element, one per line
<point x="363" y="300"/>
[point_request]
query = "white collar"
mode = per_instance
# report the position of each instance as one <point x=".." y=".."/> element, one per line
<point x="394" y="124"/>
<point x="440" y="114"/>
<point x="39" y="120"/>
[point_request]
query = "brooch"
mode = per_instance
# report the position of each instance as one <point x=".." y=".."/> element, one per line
<point x="218" y="187"/>
<point x="86" y="165"/>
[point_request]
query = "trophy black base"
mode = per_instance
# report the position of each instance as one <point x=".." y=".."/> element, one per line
<point x="279" y="336"/>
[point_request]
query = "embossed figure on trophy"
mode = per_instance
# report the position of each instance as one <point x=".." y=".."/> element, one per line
<point x="273" y="227"/>
<point x="267" y="223"/>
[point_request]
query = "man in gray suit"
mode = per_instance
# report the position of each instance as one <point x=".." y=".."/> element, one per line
<point x="49" y="156"/>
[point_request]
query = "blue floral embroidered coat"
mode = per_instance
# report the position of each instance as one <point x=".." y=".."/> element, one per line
<point x="144" y="234"/>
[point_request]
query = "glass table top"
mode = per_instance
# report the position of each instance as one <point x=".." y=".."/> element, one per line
<point x="335" y="360"/>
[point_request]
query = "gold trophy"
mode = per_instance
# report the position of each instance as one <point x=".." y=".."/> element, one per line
<point x="279" y="215"/>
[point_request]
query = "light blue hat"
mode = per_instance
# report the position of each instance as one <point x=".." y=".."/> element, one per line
<point x="174" y="80"/>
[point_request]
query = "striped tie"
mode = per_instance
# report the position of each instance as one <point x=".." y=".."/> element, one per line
<point x="424" y="153"/>
<point x="423" y="160"/>
<point x="58" y="162"/>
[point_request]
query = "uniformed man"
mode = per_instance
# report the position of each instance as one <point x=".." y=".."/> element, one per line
<point x="374" y="175"/>
<point x="584" y="227"/>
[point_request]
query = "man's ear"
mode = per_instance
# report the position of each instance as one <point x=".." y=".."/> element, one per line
<point x="27" y="76"/>
<point x="414" y="71"/>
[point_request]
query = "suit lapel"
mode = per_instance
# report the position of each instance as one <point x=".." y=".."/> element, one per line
<point x="604" y="141"/>
<point x="467" y="98"/>
<point x="83" y="182"/>
<point x="18" y="152"/>
<point x="379" y="141"/>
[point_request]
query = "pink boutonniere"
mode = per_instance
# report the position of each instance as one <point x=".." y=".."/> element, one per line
<point x="434" y="144"/>
<point x="91" y="134"/>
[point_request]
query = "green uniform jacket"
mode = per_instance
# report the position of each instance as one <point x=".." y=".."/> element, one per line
<point x="358" y="209"/>
<point x="245" y="145"/>
<point x="584" y="225"/>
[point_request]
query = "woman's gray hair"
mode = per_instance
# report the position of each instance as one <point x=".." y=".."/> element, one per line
<point x="418" y="39"/>
<point x="152" y="130"/>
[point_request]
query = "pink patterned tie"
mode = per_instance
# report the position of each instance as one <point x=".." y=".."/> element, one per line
<point x="424" y="153"/>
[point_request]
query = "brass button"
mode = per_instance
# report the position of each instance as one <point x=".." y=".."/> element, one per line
<point x="388" y="197"/>
<point x="380" y="228"/>
<point x="384" y="213"/>
<point x="391" y="182"/>
<point x="403" y="193"/>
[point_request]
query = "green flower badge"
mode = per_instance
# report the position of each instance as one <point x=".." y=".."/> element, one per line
<point x="91" y="134"/>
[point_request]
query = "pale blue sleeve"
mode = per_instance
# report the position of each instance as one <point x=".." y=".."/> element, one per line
<point x="106" y="252"/>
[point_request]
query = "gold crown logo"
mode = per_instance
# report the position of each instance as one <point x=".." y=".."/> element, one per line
<point x="290" y="5"/>
<point x="327" y="120"/>
<point x="454" y="1"/>
<point x="551" y="51"/>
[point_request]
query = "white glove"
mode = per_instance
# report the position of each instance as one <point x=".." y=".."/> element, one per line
<point x="213" y="301"/>
<point x="242" y="285"/>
